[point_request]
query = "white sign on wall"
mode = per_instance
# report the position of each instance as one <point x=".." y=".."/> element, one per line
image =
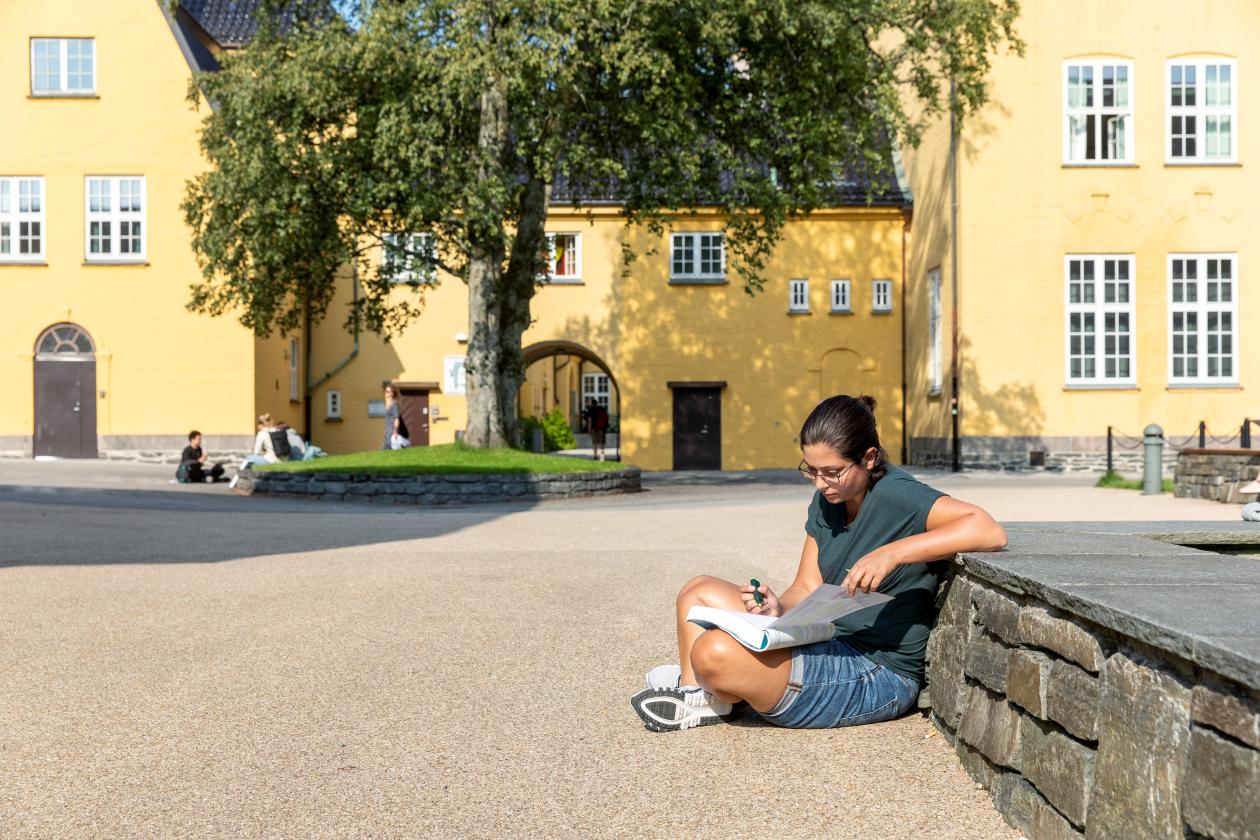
<point x="454" y="377"/>
<point x="376" y="408"/>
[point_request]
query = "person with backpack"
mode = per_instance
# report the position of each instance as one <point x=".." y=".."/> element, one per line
<point x="193" y="463"/>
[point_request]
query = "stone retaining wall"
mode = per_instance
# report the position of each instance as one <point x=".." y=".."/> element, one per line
<point x="1061" y="454"/>
<point x="1216" y="474"/>
<point x="1083" y="730"/>
<point x="462" y="488"/>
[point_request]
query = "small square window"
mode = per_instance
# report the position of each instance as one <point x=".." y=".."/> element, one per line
<point x="840" y="296"/>
<point x="21" y="219"/>
<point x="63" y="66"/>
<point x="881" y="296"/>
<point x="115" y="225"/>
<point x="798" y="296"/>
<point x="334" y="405"/>
<point x="697" y="258"/>
<point x="564" y="257"/>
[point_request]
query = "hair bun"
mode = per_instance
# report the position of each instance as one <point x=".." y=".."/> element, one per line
<point x="868" y="401"/>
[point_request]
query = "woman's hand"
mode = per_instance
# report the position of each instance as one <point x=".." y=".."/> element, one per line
<point x="869" y="572"/>
<point x="771" y="606"/>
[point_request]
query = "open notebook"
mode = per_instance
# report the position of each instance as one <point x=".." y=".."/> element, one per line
<point x="808" y="622"/>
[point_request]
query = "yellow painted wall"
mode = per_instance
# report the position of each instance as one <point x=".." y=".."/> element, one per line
<point x="776" y="366"/>
<point x="163" y="369"/>
<point x="1022" y="211"/>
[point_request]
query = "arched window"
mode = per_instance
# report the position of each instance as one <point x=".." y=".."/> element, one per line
<point x="64" y="340"/>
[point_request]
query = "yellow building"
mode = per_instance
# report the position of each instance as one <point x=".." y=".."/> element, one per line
<point x="695" y="372"/>
<point x="1093" y="226"/>
<point x="97" y="349"/>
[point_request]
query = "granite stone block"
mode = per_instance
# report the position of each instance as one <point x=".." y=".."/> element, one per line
<point x="977" y="766"/>
<point x="1232" y="714"/>
<point x="946" y="686"/>
<point x="1143" y="738"/>
<point x="1049" y="824"/>
<point x="991" y="725"/>
<point x="986" y="662"/>
<point x="1014" y="798"/>
<point x="1062" y="636"/>
<point x="334" y="488"/>
<point x="1027" y="678"/>
<point x="998" y="613"/>
<point x="1072" y="700"/>
<point x="1060" y="768"/>
<point x="1220" y="795"/>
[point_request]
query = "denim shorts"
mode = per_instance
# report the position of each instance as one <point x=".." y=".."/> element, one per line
<point x="832" y="684"/>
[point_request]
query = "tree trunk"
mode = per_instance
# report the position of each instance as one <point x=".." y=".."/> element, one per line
<point x="485" y="269"/>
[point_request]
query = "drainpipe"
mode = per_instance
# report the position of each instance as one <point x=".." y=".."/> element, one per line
<point x="956" y="458"/>
<point x="905" y="226"/>
<point x="337" y="368"/>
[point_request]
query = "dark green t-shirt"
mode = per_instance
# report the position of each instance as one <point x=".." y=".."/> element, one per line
<point x="894" y="634"/>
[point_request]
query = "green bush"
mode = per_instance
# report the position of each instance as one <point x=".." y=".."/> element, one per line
<point x="556" y="432"/>
<point x="527" y="425"/>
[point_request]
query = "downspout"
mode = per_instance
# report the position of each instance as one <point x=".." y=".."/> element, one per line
<point x="306" y="364"/>
<point x="955" y="444"/>
<point x="337" y="368"/>
<point x="905" y="225"/>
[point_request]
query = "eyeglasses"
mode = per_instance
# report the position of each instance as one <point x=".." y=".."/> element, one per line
<point x="832" y="478"/>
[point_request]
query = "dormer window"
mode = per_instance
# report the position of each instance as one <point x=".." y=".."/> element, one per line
<point x="63" y="67"/>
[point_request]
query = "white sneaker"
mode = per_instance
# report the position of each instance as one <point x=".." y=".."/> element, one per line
<point x="664" y="676"/>
<point x="232" y="483"/>
<point x="672" y="709"/>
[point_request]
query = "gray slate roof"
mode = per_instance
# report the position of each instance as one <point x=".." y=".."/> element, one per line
<point x="231" y="23"/>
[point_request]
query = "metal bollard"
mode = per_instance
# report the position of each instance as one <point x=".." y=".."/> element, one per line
<point x="1153" y="469"/>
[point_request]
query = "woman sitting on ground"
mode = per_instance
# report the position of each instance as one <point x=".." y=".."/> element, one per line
<point x="871" y="526"/>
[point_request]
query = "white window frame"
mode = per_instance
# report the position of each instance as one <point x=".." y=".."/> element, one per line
<point x="798" y="295"/>
<point x="881" y="296"/>
<point x="841" y="295"/>
<point x="1200" y="111"/>
<point x="333" y="402"/>
<point x="553" y="276"/>
<point x="936" y="343"/>
<point x="412" y="269"/>
<point x="1100" y="308"/>
<point x="115" y="217"/>
<point x="1097" y="67"/>
<point x="12" y="217"/>
<point x="63" y="57"/>
<point x="294" y="348"/>
<point x="1202" y="308"/>
<point x="691" y="242"/>
<point x="597" y="385"/>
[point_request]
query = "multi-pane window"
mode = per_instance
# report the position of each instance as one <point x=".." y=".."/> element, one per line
<point x="564" y="257"/>
<point x="115" y="225"/>
<point x="334" y="405"/>
<point x="595" y="386"/>
<point x="935" y="341"/>
<point x="1203" y="316"/>
<point x="408" y="258"/>
<point x="63" y="66"/>
<point x="1202" y="114"/>
<point x="1100" y="320"/>
<point x="798" y="296"/>
<point x="697" y="257"/>
<point x="293" y="370"/>
<point x="841" y="291"/>
<point x="21" y="219"/>
<point x="1098" y="112"/>
<point x="881" y="296"/>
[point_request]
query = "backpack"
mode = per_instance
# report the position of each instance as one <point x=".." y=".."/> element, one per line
<point x="280" y="443"/>
<point x="402" y="427"/>
<point x="181" y="473"/>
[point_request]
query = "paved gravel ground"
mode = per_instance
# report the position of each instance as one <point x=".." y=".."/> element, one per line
<point x="181" y="661"/>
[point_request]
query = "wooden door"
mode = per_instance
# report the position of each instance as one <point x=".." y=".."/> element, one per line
<point x="65" y="407"/>
<point x="697" y="428"/>
<point x="415" y="413"/>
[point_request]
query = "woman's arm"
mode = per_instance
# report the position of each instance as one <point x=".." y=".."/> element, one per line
<point x="952" y="526"/>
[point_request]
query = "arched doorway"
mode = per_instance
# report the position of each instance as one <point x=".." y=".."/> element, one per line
<point x="564" y="375"/>
<point x="65" y="393"/>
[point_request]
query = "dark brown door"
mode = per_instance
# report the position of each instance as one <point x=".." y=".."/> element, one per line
<point x="415" y="413"/>
<point x="65" y="407"/>
<point x="697" y="429"/>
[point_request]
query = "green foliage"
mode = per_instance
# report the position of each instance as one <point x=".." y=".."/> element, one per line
<point x="1116" y="481"/>
<point x="442" y="460"/>
<point x="527" y="424"/>
<point x="556" y="431"/>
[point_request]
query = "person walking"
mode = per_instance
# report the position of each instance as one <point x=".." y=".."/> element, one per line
<point x="396" y="433"/>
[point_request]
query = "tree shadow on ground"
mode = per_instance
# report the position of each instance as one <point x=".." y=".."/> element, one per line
<point x="45" y="526"/>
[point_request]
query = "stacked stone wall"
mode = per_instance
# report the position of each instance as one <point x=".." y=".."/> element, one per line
<point x="1217" y="474"/>
<point x="463" y="488"/>
<point x="1078" y="731"/>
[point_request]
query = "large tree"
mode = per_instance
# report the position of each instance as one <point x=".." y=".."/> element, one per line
<point x="457" y="118"/>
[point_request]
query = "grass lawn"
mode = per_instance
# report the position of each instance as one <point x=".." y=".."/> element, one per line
<point x="444" y="460"/>
<point x="1115" y="480"/>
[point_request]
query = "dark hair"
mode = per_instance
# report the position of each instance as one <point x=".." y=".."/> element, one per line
<point x="194" y="433"/>
<point x="847" y="425"/>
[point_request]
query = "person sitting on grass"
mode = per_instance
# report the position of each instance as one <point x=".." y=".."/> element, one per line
<point x="192" y="463"/>
<point x="871" y="526"/>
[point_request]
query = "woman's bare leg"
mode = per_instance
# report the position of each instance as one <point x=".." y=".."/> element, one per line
<point x="730" y="671"/>
<point x="704" y="591"/>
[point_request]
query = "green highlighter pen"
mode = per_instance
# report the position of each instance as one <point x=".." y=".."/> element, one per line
<point x="757" y="596"/>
